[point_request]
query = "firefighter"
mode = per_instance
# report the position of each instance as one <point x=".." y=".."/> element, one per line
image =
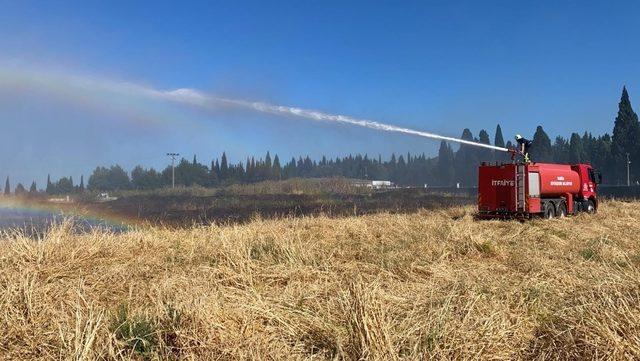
<point x="523" y="146"/>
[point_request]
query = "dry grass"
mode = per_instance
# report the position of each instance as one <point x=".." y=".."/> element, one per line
<point x="428" y="285"/>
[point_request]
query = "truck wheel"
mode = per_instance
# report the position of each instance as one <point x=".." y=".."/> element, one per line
<point x="562" y="210"/>
<point x="549" y="211"/>
<point x="591" y="207"/>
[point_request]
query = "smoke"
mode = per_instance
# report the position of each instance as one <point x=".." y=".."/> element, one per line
<point x="70" y="85"/>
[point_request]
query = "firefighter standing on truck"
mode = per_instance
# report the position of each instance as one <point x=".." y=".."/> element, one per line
<point x="523" y="146"/>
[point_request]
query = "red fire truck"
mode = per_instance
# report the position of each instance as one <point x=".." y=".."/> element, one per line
<point x="524" y="190"/>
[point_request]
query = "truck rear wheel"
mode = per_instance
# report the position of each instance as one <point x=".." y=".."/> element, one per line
<point x="591" y="207"/>
<point x="562" y="210"/>
<point x="549" y="211"/>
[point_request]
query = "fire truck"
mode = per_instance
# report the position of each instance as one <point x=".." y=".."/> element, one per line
<point x="523" y="190"/>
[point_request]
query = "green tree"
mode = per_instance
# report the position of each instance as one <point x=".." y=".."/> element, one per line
<point x="213" y="175"/>
<point x="561" y="150"/>
<point x="64" y="185"/>
<point x="20" y="190"/>
<point x="626" y="136"/>
<point x="49" y="188"/>
<point x="541" y="150"/>
<point x="7" y="187"/>
<point x="108" y="179"/>
<point x="601" y="156"/>
<point x="498" y="140"/>
<point x="277" y="169"/>
<point x="267" y="166"/>
<point x="142" y="178"/>
<point x="484" y="154"/>
<point x="33" y="189"/>
<point x="224" y="167"/>
<point x="445" y="166"/>
<point x="466" y="162"/>
<point x="576" y="150"/>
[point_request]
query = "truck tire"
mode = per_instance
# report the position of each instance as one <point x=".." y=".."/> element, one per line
<point x="591" y="207"/>
<point x="549" y="211"/>
<point x="562" y="210"/>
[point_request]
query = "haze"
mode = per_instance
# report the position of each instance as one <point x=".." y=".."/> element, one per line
<point x="433" y="67"/>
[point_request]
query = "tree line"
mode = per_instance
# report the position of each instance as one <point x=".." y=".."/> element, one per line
<point x="606" y="152"/>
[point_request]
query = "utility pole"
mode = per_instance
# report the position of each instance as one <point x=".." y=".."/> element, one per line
<point x="628" y="178"/>
<point x="173" y="168"/>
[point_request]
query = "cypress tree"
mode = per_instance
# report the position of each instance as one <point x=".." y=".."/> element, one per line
<point x="267" y="160"/>
<point x="483" y="137"/>
<point x="213" y="175"/>
<point x="7" y="187"/>
<point x="81" y="186"/>
<point x="541" y="150"/>
<point x="466" y="161"/>
<point x="484" y="154"/>
<point x="626" y="133"/>
<point x="293" y="169"/>
<point x="33" y="189"/>
<point x="445" y="164"/>
<point x="498" y="140"/>
<point x="217" y="169"/>
<point x="49" y="188"/>
<point x="20" y="190"/>
<point x="561" y="150"/>
<point x="224" y="167"/>
<point x="277" y="169"/>
<point x="253" y="169"/>
<point x="267" y="166"/>
<point x="576" y="149"/>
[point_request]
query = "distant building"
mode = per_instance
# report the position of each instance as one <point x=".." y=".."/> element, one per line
<point x="379" y="184"/>
<point x="375" y="184"/>
<point x="104" y="197"/>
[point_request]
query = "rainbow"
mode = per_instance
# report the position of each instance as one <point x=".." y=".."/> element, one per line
<point x="125" y="96"/>
<point x="135" y="103"/>
<point x="39" y="208"/>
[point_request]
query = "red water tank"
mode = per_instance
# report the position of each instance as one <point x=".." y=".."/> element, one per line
<point x="557" y="179"/>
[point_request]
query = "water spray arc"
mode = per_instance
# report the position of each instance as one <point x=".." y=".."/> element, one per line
<point x="315" y="115"/>
<point x="76" y="87"/>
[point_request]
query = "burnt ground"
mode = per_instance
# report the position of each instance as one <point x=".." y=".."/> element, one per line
<point x="235" y="208"/>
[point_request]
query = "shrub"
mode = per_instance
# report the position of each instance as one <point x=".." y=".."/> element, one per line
<point x="137" y="332"/>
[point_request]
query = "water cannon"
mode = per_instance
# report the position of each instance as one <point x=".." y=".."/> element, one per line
<point x="514" y="152"/>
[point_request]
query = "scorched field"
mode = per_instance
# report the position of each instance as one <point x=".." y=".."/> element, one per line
<point x="431" y="284"/>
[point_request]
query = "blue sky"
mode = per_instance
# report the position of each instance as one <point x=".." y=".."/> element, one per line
<point x="433" y="66"/>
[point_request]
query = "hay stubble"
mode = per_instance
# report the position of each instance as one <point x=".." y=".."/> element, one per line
<point x="425" y="285"/>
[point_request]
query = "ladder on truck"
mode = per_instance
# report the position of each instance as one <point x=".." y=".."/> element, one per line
<point x="520" y="194"/>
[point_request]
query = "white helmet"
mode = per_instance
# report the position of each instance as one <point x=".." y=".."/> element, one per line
<point x="518" y="137"/>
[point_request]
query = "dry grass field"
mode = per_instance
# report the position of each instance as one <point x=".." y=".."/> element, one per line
<point x="426" y="285"/>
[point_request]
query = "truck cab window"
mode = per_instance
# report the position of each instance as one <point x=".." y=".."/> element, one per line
<point x="595" y="176"/>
